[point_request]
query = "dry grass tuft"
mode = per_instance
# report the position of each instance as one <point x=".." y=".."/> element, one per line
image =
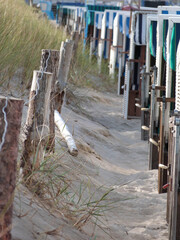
<point x="23" y="33"/>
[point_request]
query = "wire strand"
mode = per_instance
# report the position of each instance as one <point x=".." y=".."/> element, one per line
<point x="6" y="125"/>
<point x="40" y="78"/>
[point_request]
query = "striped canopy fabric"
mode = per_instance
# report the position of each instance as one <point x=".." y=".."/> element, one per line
<point x="110" y="16"/>
<point x="98" y="20"/>
<point x="175" y="37"/>
<point x="127" y="26"/>
<point x="165" y="31"/>
<point x="170" y="12"/>
<point x="121" y="23"/>
<point x="152" y="38"/>
<point x="140" y="29"/>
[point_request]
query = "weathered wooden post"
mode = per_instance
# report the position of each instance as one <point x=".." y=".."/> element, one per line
<point x="92" y="47"/>
<point x="112" y="62"/>
<point x="100" y="53"/>
<point x="37" y="123"/>
<point x="144" y="105"/>
<point x="162" y="172"/>
<point x="50" y="63"/>
<point x="119" y="74"/>
<point x="174" y="189"/>
<point x="75" y="38"/>
<point x="153" y="144"/>
<point x="31" y="3"/>
<point x="66" y="52"/>
<point x="142" y="102"/>
<point x="10" y="123"/>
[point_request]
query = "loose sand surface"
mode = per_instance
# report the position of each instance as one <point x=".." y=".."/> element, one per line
<point x="111" y="157"/>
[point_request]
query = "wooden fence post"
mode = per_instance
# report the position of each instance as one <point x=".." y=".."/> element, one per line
<point x="91" y="51"/>
<point x="153" y="144"/>
<point x="174" y="193"/>
<point x="37" y="123"/>
<point x="51" y="59"/>
<point x="100" y="53"/>
<point x="66" y="52"/>
<point x="10" y="120"/>
<point x="75" y="38"/>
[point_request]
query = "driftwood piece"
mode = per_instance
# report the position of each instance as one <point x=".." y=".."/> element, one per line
<point x="50" y="63"/>
<point x="37" y="123"/>
<point x="8" y="160"/>
<point x="65" y="133"/>
<point x="63" y="70"/>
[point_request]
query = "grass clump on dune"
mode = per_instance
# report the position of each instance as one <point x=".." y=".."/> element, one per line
<point x="85" y="72"/>
<point x="23" y="33"/>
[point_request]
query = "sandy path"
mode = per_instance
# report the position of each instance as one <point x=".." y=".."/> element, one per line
<point x="111" y="156"/>
<point x="114" y="156"/>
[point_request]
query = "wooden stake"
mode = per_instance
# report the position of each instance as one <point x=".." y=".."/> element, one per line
<point x="8" y="161"/>
<point x="37" y="123"/>
<point x="66" y="51"/>
<point x="75" y="38"/>
<point x="51" y="59"/>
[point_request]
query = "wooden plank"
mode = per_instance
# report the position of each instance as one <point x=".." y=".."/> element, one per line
<point x="111" y="39"/>
<point x="174" y="192"/>
<point x="106" y="39"/>
<point x="143" y="132"/>
<point x="163" y="88"/>
<point x="136" y="61"/>
<point x="142" y="55"/>
<point x="162" y="173"/>
<point x="117" y="46"/>
<point x="153" y="150"/>
<point x="151" y="132"/>
<point x="169" y="172"/>
<point x="160" y="99"/>
<point x="133" y="111"/>
<point x="10" y="122"/>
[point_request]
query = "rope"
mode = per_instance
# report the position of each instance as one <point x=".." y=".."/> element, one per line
<point x="40" y="78"/>
<point x="6" y="125"/>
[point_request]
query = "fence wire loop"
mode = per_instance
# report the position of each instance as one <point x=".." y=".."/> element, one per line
<point x="5" y="126"/>
<point x="40" y="78"/>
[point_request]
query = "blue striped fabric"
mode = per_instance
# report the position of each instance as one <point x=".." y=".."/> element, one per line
<point x="97" y="34"/>
<point x="97" y="19"/>
<point x="121" y="23"/>
<point x="165" y="31"/>
<point x="105" y="44"/>
<point x="165" y="12"/>
<point x="114" y="15"/>
<point x="127" y="26"/>
<point x="107" y="19"/>
<point x="175" y="37"/>
<point x="140" y="29"/>
<point x="153" y="38"/>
